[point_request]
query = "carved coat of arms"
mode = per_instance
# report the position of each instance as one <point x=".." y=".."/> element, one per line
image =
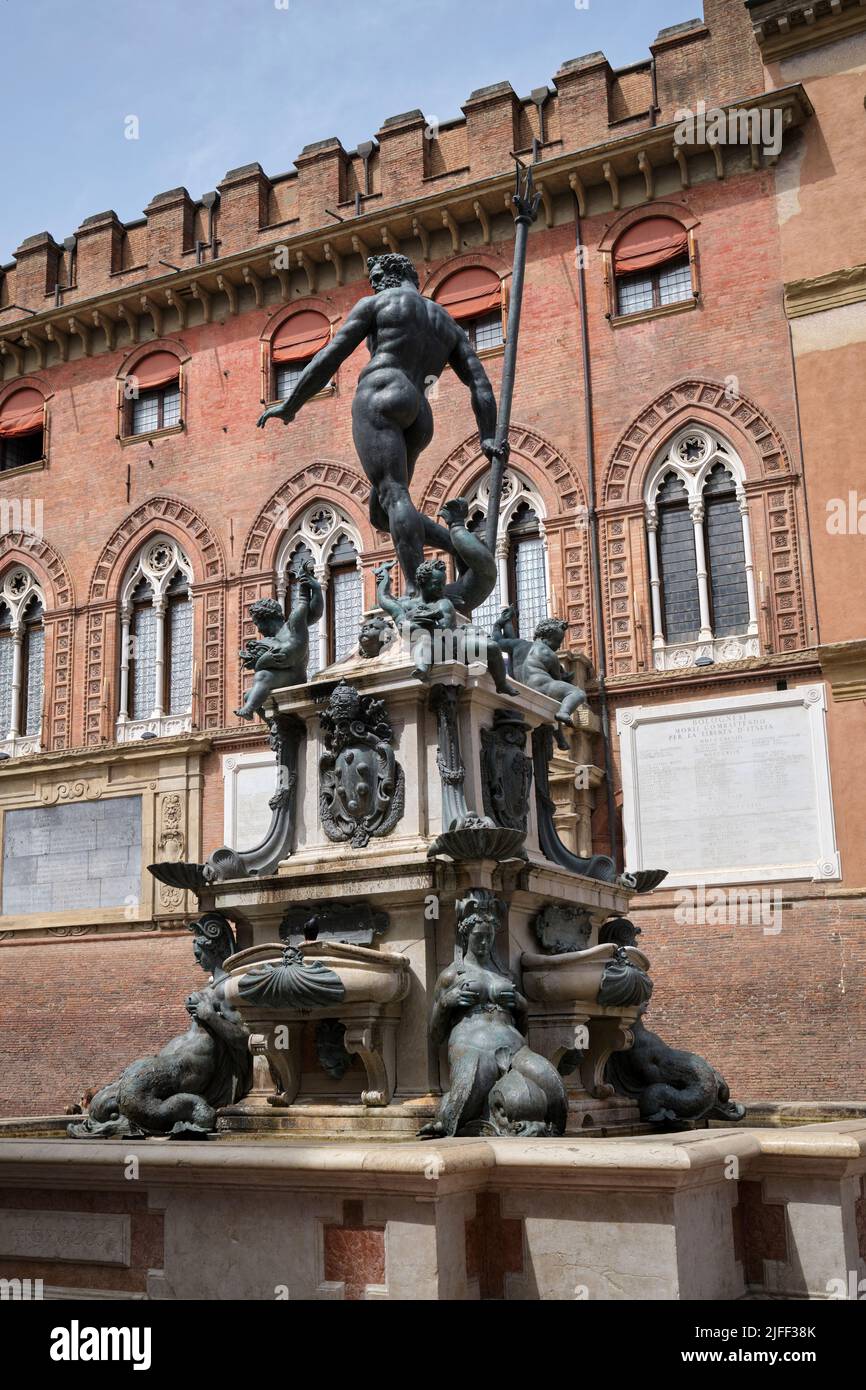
<point x="506" y="771"/>
<point x="361" y="784"/>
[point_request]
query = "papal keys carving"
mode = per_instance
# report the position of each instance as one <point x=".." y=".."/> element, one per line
<point x="361" y="784"/>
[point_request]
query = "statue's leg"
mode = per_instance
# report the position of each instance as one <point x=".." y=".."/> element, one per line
<point x="255" y="697"/>
<point x="496" y="667"/>
<point x="472" y="1077"/>
<point x="422" y="654"/>
<point x="573" y="697"/>
<point x="380" y="440"/>
<point x="479" y="571"/>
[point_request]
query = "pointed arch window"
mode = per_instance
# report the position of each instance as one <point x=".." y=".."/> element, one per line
<point x="326" y="540"/>
<point x="700" y="556"/>
<point x="156" y="663"/>
<point x="22" y="663"/>
<point x="521" y="554"/>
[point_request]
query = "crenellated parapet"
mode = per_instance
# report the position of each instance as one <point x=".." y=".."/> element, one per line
<point x="412" y="154"/>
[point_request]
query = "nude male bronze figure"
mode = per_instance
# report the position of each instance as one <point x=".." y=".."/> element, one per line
<point x="411" y="340"/>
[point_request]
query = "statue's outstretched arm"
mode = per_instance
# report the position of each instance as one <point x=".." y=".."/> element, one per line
<point x="384" y="597"/>
<point x="465" y="364"/>
<point x="316" y="375"/>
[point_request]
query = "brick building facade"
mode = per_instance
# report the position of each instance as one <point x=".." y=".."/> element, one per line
<point x="688" y="306"/>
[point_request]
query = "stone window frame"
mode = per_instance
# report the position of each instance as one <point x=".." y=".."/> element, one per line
<point x="124" y="402"/>
<point x="706" y="649"/>
<point x="433" y="284"/>
<point x="18" y="589"/>
<point x="678" y="213"/>
<point x="6" y="392"/>
<point x="516" y="489"/>
<point x="159" y="576"/>
<point x="268" y="387"/>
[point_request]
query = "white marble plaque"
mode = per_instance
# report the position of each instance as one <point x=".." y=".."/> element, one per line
<point x="85" y="854"/>
<point x="729" y="790"/>
<point x="249" y="782"/>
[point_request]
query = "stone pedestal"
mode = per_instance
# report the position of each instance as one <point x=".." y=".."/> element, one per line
<point x="403" y="881"/>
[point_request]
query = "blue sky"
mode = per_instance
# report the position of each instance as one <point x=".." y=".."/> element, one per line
<point x="219" y="83"/>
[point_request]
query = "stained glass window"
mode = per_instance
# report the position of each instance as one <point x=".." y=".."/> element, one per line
<point x="346" y="606"/>
<point x="678" y="560"/>
<point x="726" y="554"/>
<point x="531" y="585"/>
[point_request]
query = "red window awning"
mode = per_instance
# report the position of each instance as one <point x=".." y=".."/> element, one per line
<point x="469" y="293"/>
<point x="300" y="337"/>
<point x="649" y="243"/>
<point x="155" y="370"/>
<point x="22" y="413"/>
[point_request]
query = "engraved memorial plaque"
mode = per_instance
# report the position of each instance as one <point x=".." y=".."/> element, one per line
<point x="730" y="790"/>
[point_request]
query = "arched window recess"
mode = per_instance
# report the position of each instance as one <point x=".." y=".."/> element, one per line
<point x="156" y="643"/>
<point x="22" y="663"/>
<point x="521" y="553"/>
<point x="325" y="539"/>
<point x="702" y="582"/>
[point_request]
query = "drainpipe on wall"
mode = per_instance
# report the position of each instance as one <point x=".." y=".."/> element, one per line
<point x="595" y="565"/>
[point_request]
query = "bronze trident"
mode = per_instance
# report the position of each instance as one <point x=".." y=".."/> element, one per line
<point x="525" y="200"/>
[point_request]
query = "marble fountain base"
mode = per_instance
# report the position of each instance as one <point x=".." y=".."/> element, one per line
<point x="715" y="1214"/>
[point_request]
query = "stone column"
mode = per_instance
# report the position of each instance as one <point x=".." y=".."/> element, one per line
<point x="750" y="567"/>
<point x="652" y="526"/>
<point x="321" y="573"/>
<point x="502" y="544"/>
<point x="697" y="514"/>
<point x="17" y="652"/>
<point x="123" y="710"/>
<point x="159" y="656"/>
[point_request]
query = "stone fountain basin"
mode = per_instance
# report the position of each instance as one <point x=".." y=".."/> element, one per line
<point x="574" y="977"/>
<point x="369" y="977"/>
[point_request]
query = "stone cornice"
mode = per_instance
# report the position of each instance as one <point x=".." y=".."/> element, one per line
<point x="69" y="759"/>
<point x="844" y="665"/>
<point x="751" y="669"/>
<point x="831" y="291"/>
<point x="786" y="27"/>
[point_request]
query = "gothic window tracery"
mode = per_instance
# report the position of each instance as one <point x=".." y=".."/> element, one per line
<point x="327" y="541"/>
<point x="521" y="553"/>
<point x="700" y="555"/>
<point x="22" y="663"/>
<point x="156" y="668"/>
